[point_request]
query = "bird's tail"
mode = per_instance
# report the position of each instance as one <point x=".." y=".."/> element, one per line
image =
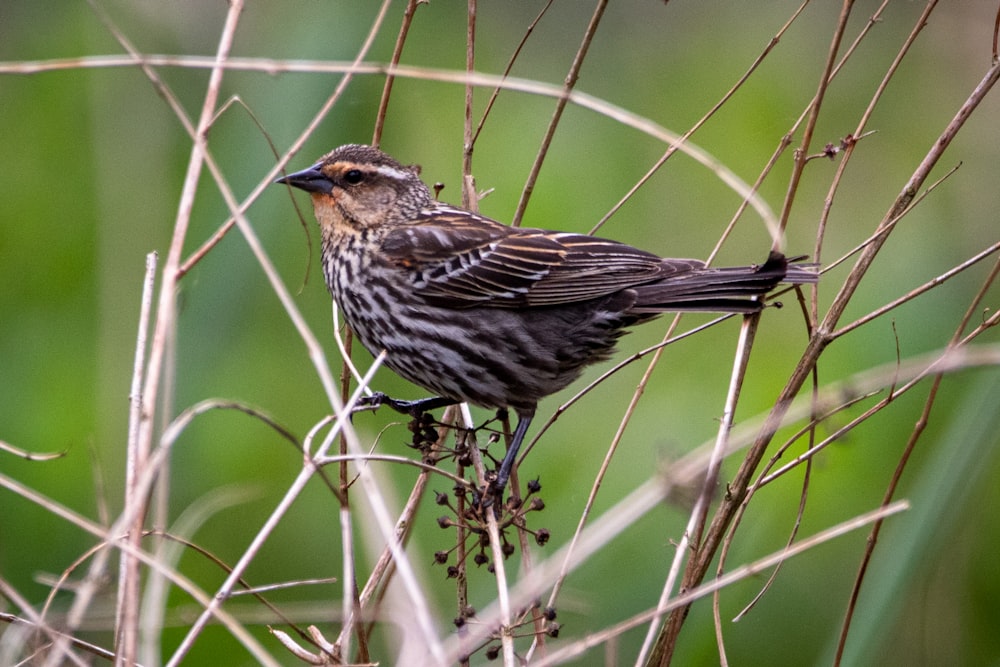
<point x="725" y="290"/>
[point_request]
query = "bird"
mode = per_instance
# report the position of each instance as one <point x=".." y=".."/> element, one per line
<point x="473" y="310"/>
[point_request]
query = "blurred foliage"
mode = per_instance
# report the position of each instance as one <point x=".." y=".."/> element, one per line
<point x="96" y="165"/>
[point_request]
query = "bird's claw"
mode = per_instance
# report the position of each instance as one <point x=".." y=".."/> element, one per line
<point x="489" y="496"/>
<point x="372" y="402"/>
<point x="412" y="408"/>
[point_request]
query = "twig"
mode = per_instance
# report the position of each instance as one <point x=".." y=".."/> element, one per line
<point x="127" y="608"/>
<point x="914" y="293"/>
<point x="904" y="459"/>
<point x="504" y="620"/>
<point x="469" y="198"/>
<point x="668" y="339"/>
<point x="20" y="623"/>
<point x="696" y="521"/>
<point x="397" y="52"/>
<point x="611" y="111"/>
<point x="562" y="100"/>
<point x="507" y="69"/>
<point x="254" y="547"/>
<point x="818" y="342"/>
<point x="859" y="130"/>
<point x="698" y="125"/>
<point x="183" y="583"/>
<point x="744" y="572"/>
<point x="29" y="455"/>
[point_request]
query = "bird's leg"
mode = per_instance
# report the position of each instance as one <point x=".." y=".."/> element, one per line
<point x="412" y="408"/>
<point x="424" y="434"/>
<point x="523" y="421"/>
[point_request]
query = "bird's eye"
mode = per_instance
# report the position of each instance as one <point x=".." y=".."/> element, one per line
<point x="354" y="176"/>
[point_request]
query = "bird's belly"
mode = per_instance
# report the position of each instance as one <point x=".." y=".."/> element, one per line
<point x="486" y="356"/>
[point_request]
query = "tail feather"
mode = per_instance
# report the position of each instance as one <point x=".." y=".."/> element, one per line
<point x="724" y="290"/>
<point x="800" y="272"/>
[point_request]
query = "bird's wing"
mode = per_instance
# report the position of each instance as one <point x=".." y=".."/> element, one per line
<point x="457" y="259"/>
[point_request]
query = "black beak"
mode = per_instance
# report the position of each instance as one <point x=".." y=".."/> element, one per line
<point x="310" y="180"/>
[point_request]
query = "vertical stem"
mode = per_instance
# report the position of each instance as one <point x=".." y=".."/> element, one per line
<point x="469" y="197"/>
<point x="696" y="523"/>
<point x="570" y="83"/>
<point x="383" y="105"/>
<point x="126" y="619"/>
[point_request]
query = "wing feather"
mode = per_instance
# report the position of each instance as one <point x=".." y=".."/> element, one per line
<point x="458" y="259"/>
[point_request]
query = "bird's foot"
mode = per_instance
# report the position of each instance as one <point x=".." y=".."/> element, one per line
<point x="412" y="408"/>
<point x="489" y="497"/>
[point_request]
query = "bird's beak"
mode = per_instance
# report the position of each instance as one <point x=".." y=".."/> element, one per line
<point x="310" y="180"/>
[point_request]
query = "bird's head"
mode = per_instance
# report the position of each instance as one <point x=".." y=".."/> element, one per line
<point x="362" y="187"/>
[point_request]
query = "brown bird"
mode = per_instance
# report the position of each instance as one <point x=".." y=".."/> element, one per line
<point x="474" y="310"/>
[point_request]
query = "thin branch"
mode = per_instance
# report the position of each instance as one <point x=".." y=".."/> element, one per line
<point x="397" y="52"/>
<point x="691" y="538"/>
<point x="859" y="131"/>
<point x="561" y="102"/>
<point x="890" y="492"/>
<point x="127" y="608"/>
<point x="106" y="536"/>
<point x="294" y="490"/>
<point x="818" y="342"/>
<point x="914" y="293"/>
<point x="470" y="200"/>
<point x="798" y="165"/>
<point x="698" y="125"/>
<point x="611" y="111"/>
<point x="743" y="572"/>
<point x="16" y="622"/>
<point x="29" y="455"/>
<point x="507" y="69"/>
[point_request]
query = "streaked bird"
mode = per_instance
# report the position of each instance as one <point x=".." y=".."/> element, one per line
<point x="474" y="310"/>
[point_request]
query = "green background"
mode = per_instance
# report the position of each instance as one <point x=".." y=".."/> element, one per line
<point x="95" y="163"/>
